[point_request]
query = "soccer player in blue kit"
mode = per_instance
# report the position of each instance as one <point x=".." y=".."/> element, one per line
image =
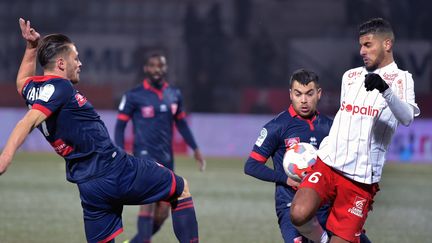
<point x="300" y="123"/>
<point x="154" y="107"/>
<point x="107" y="178"/>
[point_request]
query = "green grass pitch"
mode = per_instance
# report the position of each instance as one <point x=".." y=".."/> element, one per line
<point x="37" y="204"/>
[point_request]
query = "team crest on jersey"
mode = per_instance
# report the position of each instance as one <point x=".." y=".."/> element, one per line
<point x="358" y="207"/>
<point x="291" y="141"/>
<point x="147" y="111"/>
<point x="261" y="138"/>
<point x="80" y="99"/>
<point x="174" y="108"/>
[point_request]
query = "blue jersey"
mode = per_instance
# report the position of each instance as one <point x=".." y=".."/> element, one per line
<point x="153" y="113"/>
<point x="275" y="137"/>
<point x="107" y="178"/>
<point x="72" y="127"/>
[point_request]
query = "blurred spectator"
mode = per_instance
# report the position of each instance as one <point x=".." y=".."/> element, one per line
<point x="263" y="58"/>
<point x="243" y="10"/>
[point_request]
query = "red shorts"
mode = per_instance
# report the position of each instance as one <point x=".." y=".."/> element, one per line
<point x="351" y="200"/>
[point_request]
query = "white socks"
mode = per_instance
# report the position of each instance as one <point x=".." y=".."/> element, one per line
<point x="313" y="231"/>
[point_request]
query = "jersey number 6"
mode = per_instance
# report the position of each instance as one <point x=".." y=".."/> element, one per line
<point x="314" y="178"/>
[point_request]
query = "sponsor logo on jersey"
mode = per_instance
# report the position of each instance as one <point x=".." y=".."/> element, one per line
<point x="80" y="99"/>
<point x="354" y="74"/>
<point x="358" y="207"/>
<point x="61" y="147"/>
<point x="390" y="76"/>
<point x="261" y="138"/>
<point x="147" y="111"/>
<point x="361" y="110"/>
<point x="291" y="141"/>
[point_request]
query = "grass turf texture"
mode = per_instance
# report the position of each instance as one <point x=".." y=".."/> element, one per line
<point x="37" y="204"/>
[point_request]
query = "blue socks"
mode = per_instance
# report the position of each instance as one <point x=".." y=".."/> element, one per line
<point x="145" y="229"/>
<point x="184" y="220"/>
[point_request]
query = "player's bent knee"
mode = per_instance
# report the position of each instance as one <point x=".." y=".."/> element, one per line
<point x="186" y="193"/>
<point x="162" y="212"/>
<point x="304" y="206"/>
<point x="298" y="215"/>
<point x="147" y="208"/>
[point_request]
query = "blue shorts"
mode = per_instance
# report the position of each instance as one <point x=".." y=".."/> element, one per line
<point x="169" y="164"/>
<point x="132" y="181"/>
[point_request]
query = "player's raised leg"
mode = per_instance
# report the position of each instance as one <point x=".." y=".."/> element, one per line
<point x="145" y="181"/>
<point x="304" y="206"/>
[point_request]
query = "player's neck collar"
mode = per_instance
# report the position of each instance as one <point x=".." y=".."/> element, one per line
<point x="388" y="67"/>
<point x="158" y="92"/>
<point x="293" y="113"/>
<point x="147" y="85"/>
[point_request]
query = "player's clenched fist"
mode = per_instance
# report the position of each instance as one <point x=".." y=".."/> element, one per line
<point x="374" y="81"/>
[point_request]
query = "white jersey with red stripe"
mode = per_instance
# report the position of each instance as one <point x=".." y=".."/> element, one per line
<point x="364" y="125"/>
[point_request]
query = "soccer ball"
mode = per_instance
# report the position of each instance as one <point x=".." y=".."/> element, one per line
<point x="298" y="160"/>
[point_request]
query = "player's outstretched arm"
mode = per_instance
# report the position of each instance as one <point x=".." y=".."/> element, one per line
<point x="200" y="160"/>
<point x="186" y="133"/>
<point x="28" y="64"/>
<point x="31" y="120"/>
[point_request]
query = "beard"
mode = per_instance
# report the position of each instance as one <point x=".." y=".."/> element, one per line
<point x="372" y="67"/>
<point x="157" y="82"/>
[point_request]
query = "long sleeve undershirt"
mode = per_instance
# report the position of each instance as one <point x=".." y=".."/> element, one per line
<point x="403" y="111"/>
<point x="261" y="171"/>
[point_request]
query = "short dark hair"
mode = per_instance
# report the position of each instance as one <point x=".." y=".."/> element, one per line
<point x="376" y="26"/>
<point x="304" y="77"/>
<point x="153" y="55"/>
<point x="50" y="47"/>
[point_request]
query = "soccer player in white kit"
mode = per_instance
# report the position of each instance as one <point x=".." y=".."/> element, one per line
<point x="375" y="98"/>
